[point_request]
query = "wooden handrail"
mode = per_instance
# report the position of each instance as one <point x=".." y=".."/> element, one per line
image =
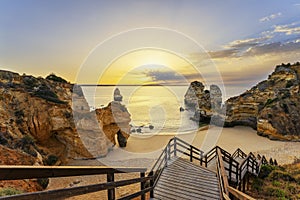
<point x="222" y="174"/>
<point x="16" y="172"/>
<point x="74" y="191"/>
<point x="238" y="194"/>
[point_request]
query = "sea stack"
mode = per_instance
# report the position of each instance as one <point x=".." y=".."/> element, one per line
<point x="117" y="95"/>
<point x="203" y="102"/>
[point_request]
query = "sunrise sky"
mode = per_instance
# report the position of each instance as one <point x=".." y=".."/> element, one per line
<point x="142" y="41"/>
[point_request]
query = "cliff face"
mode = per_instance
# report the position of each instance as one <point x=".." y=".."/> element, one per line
<point x="36" y="116"/>
<point x="272" y="107"/>
<point x="43" y="117"/>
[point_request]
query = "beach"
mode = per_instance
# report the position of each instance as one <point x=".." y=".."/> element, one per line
<point x="143" y="150"/>
<point x="149" y="147"/>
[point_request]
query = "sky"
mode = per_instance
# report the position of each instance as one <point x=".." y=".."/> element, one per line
<point x="234" y="43"/>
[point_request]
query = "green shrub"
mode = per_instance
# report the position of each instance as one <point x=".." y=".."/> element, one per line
<point x="55" y="78"/>
<point x="275" y="192"/>
<point x="265" y="171"/>
<point x="276" y="183"/>
<point x="43" y="182"/>
<point x="27" y="140"/>
<point x="270" y="101"/>
<point x="51" y="160"/>
<point x="3" y="140"/>
<point x="257" y="184"/>
<point x="30" y="82"/>
<point x="289" y="84"/>
<point x="47" y="94"/>
<point x="9" y="191"/>
<point x="280" y="175"/>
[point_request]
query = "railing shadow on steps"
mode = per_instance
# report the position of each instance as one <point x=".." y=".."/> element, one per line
<point x="172" y="149"/>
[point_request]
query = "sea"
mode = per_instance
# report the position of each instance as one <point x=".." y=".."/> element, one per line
<point x="153" y="109"/>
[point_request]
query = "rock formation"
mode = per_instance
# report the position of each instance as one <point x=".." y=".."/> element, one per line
<point x="203" y="102"/>
<point x="43" y="117"/>
<point x="117" y="95"/>
<point x="114" y="120"/>
<point x="272" y="106"/>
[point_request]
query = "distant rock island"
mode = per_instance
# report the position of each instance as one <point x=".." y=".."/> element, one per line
<point x="48" y="121"/>
<point x="272" y="107"/>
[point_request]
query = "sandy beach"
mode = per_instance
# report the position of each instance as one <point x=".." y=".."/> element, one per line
<point x="145" y="149"/>
<point x="142" y="151"/>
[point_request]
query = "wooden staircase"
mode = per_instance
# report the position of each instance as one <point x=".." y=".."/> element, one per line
<point x="182" y="179"/>
<point x="195" y="175"/>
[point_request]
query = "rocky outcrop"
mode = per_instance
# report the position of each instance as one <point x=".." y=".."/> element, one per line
<point x="117" y="95"/>
<point x="272" y="107"/>
<point x="43" y="117"/>
<point x="40" y="109"/>
<point x="203" y="102"/>
<point x="114" y="120"/>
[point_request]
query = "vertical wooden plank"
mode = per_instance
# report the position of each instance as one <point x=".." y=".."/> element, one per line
<point x="230" y="169"/>
<point x="191" y="153"/>
<point x="152" y="184"/>
<point x="142" y="175"/>
<point x="166" y="156"/>
<point x="175" y="146"/>
<point x="169" y="151"/>
<point x="111" y="192"/>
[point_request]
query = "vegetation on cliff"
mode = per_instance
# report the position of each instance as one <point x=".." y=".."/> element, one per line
<point x="277" y="182"/>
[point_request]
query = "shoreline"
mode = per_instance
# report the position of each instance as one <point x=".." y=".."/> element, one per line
<point x="149" y="147"/>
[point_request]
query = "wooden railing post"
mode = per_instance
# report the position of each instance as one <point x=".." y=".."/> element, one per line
<point x="191" y="153"/>
<point x="230" y="169"/>
<point x="111" y="192"/>
<point x="169" y="151"/>
<point x="175" y="146"/>
<point x="143" y="196"/>
<point x="166" y="156"/>
<point x="151" y="174"/>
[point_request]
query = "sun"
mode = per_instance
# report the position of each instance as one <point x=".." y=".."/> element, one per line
<point x="132" y="67"/>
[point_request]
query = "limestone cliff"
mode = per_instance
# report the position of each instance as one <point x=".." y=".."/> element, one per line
<point x="36" y="116"/>
<point x="272" y="106"/>
<point x="43" y="117"/>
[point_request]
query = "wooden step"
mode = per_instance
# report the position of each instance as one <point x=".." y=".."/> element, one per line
<point x="185" y="180"/>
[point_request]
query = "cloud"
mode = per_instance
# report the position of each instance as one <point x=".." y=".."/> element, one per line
<point x="247" y="42"/>
<point x="164" y="76"/>
<point x="172" y="77"/>
<point x="270" y="17"/>
<point x="276" y="47"/>
<point x="289" y="29"/>
<point x="223" y="53"/>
